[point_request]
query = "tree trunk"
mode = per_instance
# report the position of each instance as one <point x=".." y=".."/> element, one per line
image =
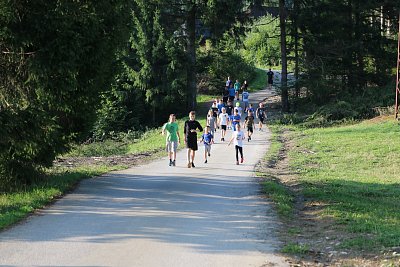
<point x="191" y="55"/>
<point x="284" y="89"/>
<point x="296" y="47"/>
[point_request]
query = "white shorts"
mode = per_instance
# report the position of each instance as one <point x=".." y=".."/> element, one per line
<point x="172" y="146"/>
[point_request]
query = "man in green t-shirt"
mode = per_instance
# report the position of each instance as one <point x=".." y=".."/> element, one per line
<point x="172" y="140"/>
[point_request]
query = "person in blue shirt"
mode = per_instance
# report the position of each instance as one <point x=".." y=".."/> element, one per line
<point x="208" y="139"/>
<point x="245" y="99"/>
<point x="236" y="119"/>
<point x="220" y="105"/>
<point x="231" y="93"/>
<point x="250" y="108"/>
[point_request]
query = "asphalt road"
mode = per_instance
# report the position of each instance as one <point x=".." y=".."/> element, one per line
<point x="156" y="215"/>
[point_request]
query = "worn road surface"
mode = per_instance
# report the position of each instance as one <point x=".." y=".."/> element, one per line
<point x="156" y="215"/>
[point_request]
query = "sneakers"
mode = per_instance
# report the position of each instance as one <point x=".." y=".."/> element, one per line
<point x="205" y="161"/>
<point x="241" y="160"/>
<point x="209" y="154"/>
<point x="248" y="139"/>
<point x="173" y="163"/>
<point x="237" y="162"/>
<point x="170" y="163"/>
<point x="189" y="165"/>
<point x="192" y="165"/>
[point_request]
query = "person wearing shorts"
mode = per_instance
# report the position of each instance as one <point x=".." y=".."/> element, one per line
<point x="223" y="119"/>
<point x="190" y="130"/>
<point x="229" y="111"/>
<point x="208" y="139"/>
<point x="172" y="139"/>
<point x="261" y="115"/>
<point x="249" y="124"/>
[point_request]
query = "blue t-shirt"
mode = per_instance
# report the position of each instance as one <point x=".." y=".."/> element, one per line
<point x="235" y="120"/>
<point x="245" y="96"/>
<point x="231" y="91"/>
<point x="250" y="109"/>
<point x="220" y="106"/>
<point x="207" y="138"/>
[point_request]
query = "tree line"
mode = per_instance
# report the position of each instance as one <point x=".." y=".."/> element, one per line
<point x="74" y="69"/>
<point x="70" y="70"/>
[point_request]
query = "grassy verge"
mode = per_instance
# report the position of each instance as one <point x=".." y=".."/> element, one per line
<point x="353" y="170"/>
<point x="16" y="206"/>
<point x="272" y="187"/>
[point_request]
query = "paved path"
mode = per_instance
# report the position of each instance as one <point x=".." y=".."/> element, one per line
<point x="155" y="215"/>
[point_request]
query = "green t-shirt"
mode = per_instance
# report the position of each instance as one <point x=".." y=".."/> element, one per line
<point x="237" y="86"/>
<point x="172" y="129"/>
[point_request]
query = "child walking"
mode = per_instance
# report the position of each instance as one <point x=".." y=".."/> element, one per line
<point x="211" y="121"/>
<point x="208" y="139"/>
<point x="223" y="119"/>
<point x="249" y="124"/>
<point x="237" y="138"/>
<point x="172" y="139"/>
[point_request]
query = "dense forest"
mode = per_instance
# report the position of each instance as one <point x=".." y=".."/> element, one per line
<point x="73" y="70"/>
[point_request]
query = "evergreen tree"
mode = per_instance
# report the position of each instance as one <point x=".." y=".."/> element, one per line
<point x="56" y="56"/>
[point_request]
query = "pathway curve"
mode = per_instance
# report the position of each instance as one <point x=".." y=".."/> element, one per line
<point x="156" y="215"/>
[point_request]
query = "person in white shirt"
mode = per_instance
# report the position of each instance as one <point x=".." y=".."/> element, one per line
<point x="237" y="138"/>
<point x="222" y="122"/>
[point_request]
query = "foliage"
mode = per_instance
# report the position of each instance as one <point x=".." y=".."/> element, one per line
<point x="261" y="44"/>
<point x="218" y="62"/>
<point x="346" y="47"/>
<point x="56" y="57"/>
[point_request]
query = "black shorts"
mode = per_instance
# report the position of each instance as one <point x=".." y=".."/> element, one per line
<point x="231" y="98"/>
<point x="261" y="119"/>
<point x="250" y="129"/>
<point x="270" y="81"/>
<point x="191" y="142"/>
<point x="223" y="127"/>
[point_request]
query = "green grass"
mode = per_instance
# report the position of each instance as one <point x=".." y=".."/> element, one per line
<point x="259" y="82"/>
<point x="16" y="206"/>
<point x="354" y="170"/>
<point x="293" y="248"/>
<point x="277" y="192"/>
<point x="280" y="195"/>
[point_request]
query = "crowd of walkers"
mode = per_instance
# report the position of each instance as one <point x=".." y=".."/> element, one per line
<point x="224" y="114"/>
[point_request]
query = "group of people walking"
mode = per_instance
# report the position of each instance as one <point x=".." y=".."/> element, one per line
<point x="223" y="115"/>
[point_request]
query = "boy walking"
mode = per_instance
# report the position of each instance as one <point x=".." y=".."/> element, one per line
<point x="208" y="139"/>
<point x="191" y="128"/>
<point x="223" y="122"/>
<point x="172" y="139"/>
<point x="236" y="119"/>
<point x="237" y="138"/>
<point x="249" y="124"/>
<point x="261" y="115"/>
